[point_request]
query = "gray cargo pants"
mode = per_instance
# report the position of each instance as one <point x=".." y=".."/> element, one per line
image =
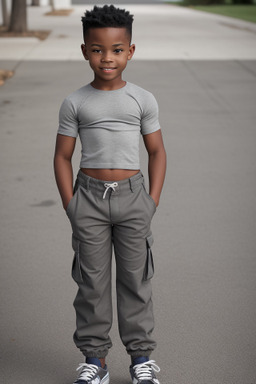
<point x="103" y="214"/>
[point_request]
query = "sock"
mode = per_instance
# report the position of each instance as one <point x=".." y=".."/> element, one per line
<point x="93" y="360"/>
<point x="139" y="360"/>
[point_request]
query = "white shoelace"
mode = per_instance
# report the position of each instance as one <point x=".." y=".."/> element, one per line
<point x="109" y="185"/>
<point x="88" y="371"/>
<point x="144" y="371"/>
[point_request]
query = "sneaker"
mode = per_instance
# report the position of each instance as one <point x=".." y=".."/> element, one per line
<point x="144" y="373"/>
<point x="92" y="374"/>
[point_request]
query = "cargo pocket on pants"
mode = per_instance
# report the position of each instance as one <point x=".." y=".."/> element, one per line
<point x="149" y="267"/>
<point x="76" y="266"/>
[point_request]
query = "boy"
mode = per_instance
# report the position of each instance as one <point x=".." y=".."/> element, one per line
<point x="109" y="204"/>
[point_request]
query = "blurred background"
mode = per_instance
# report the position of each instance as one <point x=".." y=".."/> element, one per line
<point x="199" y="60"/>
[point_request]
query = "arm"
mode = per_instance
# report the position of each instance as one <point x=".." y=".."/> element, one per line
<point x="64" y="149"/>
<point x="156" y="164"/>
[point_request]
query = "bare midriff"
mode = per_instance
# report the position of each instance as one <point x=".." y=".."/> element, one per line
<point x="109" y="174"/>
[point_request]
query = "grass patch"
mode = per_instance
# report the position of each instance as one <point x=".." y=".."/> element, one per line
<point x="237" y="11"/>
<point x="59" y="12"/>
<point x="4" y="75"/>
<point x="41" y="35"/>
<point x="242" y="12"/>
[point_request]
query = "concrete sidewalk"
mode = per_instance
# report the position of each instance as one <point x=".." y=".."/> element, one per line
<point x="161" y="32"/>
<point x="203" y="74"/>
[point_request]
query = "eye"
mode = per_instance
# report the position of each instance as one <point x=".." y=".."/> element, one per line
<point x="96" y="50"/>
<point x="118" y="50"/>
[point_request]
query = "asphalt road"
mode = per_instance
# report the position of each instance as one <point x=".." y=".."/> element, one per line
<point x="204" y="229"/>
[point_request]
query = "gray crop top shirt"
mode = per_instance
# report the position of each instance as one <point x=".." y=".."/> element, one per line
<point x="109" y="124"/>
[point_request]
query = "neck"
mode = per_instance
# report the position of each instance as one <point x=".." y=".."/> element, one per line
<point x="108" y="86"/>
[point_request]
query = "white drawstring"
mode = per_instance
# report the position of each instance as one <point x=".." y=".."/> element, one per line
<point x="144" y="371"/>
<point x="109" y="185"/>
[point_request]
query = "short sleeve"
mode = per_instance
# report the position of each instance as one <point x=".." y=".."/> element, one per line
<point x="68" y="123"/>
<point x="149" y="119"/>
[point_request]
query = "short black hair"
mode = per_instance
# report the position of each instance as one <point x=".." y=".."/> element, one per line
<point x="107" y="16"/>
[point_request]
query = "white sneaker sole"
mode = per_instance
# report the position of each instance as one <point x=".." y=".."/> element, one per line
<point x="105" y="379"/>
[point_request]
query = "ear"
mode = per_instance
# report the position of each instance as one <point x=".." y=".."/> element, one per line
<point x="84" y="51"/>
<point x="131" y="51"/>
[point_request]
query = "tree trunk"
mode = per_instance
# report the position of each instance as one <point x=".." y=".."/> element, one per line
<point x="51" y="2"/>
<point x="18" y="21"/>
<point x="5" y="14"/>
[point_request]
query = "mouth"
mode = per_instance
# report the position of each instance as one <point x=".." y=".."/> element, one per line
<point x="107" y="69"/>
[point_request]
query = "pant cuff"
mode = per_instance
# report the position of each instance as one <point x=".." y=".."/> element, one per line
<point x="140" y="353"/>
<point x="98" y="354"/>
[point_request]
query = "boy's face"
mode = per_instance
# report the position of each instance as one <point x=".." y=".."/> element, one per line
<point x="108" y="50"/>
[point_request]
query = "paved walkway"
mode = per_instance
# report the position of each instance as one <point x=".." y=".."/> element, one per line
<point x="202" y="70"/>
<point x="161" y="32"/>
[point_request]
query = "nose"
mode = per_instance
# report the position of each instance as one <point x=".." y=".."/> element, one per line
<point x="106" y="57"/>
